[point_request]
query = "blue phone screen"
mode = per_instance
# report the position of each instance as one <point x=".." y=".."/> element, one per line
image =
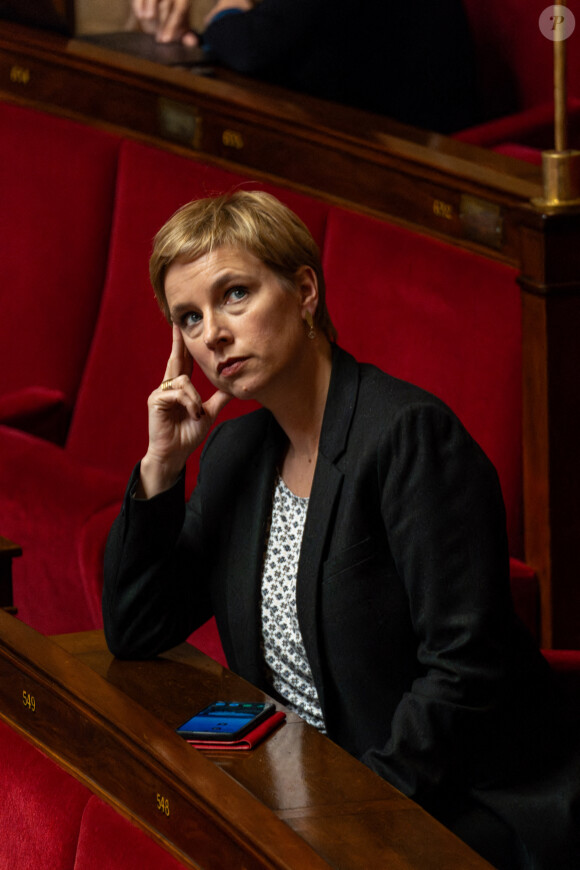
<point x="221" y="718"/>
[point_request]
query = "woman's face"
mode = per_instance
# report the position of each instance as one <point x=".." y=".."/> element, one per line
<point x="242" y="326"/>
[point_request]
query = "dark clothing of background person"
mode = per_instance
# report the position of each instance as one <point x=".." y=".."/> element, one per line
<point x="413" y="62"/>
<point x="421" y="668"/>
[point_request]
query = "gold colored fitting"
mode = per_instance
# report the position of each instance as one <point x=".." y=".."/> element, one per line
<point x="561" y="179"/>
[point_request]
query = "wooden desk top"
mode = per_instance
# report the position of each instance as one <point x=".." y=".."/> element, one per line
<point x="295" y="801"/>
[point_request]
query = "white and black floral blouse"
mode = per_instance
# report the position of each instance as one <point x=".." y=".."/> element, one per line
<point x="283" y="648"/>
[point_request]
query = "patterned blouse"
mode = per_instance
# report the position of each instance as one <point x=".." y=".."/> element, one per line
<point x="283" y="649"/>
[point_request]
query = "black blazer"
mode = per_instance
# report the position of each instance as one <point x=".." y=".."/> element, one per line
<point x="403" y="596"/>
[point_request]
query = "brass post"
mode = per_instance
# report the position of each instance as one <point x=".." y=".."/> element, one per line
<point x="560" y="93"/>
<point x="560" y="167"/>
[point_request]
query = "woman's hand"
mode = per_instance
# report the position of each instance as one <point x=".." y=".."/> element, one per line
<point x="178" y="421"/>
<point x="167" y="20"/>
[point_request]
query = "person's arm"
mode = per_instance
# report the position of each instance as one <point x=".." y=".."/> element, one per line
<point x="264" y="36"/>
<point x="154" y="558"/>
<point x="443" y="511"/>
<point x="151" y="600"/>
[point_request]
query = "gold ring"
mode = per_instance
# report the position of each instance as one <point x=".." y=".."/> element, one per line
<point x="168" y="384"/>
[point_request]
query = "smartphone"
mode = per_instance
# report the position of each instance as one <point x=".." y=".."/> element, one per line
<point x="225" y="720"/>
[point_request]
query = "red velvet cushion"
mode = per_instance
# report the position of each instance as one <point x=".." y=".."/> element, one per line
<point x="45" y="499"/>
<point x="520" y="152"/>
<point x="40" y="810"/>
<point x="440" y="317"/>
<point x="207" y="639"/>
<point x="513" y="55"/>
<point x="108" y="841"/>
<point x="532" y="129"/>
<point x="132" y="340"/>
<point x="538" y="120"/>
<point x="41" y="410"/>
<point x="57" y="180"/>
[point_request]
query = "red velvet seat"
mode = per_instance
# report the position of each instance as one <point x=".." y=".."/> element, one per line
<point x="57" y="180"/>
<point x="515" y="62"/>
<point x="49" y="819"/>
<point x="41" y="807"/>
<point x="526" y="134"/>
<point x="108" y="841"/>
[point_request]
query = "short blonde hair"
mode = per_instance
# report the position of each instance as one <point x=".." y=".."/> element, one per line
<point x="254" y="221"/>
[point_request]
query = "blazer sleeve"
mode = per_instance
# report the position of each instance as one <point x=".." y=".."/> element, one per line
<point x="443" y="512"/>
<point x="154" y="592"/>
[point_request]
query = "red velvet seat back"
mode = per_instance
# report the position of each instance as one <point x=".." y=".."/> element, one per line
<point x="132" y="339"/>
<point x="515" y="59"/>
<point x="440" y="317"/>
<point x="40" y="810"/>
<point x="108" y="841"/>
<point x="57" y="181"/>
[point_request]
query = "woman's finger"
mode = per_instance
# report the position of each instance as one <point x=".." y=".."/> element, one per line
<point x="216" y="403"/>
<point x="180" y="391"/>
<point x="180" y="361"/>
<point x="174" y="21"/>
<point x="146" y="13"/>
<point x="192" y="407"/>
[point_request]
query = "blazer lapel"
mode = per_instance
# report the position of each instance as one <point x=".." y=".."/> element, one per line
<point x="245" y="557"/>
<point x="253" y="503"/>
<point x="328" y="477"/>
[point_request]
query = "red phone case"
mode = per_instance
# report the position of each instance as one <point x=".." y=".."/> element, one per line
<point x="248" y="741"/>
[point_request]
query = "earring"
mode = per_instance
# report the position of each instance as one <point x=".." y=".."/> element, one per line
<point x="311" y="331"/>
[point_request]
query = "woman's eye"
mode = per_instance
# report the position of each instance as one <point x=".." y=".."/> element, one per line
<point x="235" y="294"/>
<point x="192" y="318"/>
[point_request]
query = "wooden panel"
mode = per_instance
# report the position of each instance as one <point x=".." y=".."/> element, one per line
<point x="366" y="161"/>
<point x="295" y="801"/>
<point x="550" y="281"/>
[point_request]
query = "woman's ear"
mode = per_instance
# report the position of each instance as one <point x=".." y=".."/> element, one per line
<point x="307" y="286"/>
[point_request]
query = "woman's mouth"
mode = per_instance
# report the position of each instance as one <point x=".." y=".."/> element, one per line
<point x="232" y="366"/>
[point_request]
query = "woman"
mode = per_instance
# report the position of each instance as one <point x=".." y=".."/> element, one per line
<point x="348" y="536"/>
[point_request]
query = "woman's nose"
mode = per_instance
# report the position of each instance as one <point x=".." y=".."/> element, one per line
<point x="214" y="331"/>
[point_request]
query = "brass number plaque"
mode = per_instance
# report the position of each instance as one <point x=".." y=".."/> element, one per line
<point x="163" y="804"/>
<point x="19" y="75"/>
<point x="443" y="209"/>
<point x="233" y="139"/>
<point x="29" y="701"/>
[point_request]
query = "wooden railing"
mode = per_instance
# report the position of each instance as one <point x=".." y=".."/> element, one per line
<point x="295" y="801"/>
